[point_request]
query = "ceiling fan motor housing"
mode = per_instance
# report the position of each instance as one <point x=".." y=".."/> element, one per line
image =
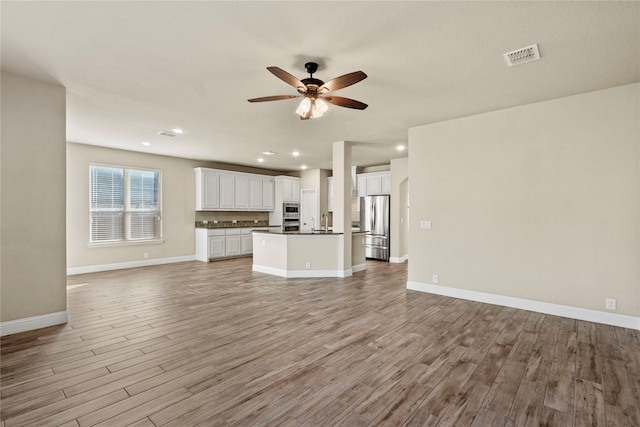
<point x="311" y="67"/>
<point x="312" y="84"/>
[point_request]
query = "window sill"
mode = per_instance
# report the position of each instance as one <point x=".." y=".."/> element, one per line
<point x="127" y="243"/>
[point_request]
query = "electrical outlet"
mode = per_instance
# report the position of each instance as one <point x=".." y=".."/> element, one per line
<point x="308" y="264"/>
<point x="434" y="278"/>
<point x="146" y="255"/>
<point x="610" y="303"/>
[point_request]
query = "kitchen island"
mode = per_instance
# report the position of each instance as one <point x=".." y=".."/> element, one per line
<point x="306" y="253"/>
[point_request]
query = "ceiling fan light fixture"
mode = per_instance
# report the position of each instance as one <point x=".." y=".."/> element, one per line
<point x="321" y="106"/>
<point x="304" y="107"/>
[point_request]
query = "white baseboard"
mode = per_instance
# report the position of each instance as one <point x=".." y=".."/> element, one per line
<point x="129" y="264"/>
<point x="398" y="260"/>
<point x="301" y="273"/>
<point x="588" y="315"/>
<point x="36" y="322"/>
<point x="359" y="267"/>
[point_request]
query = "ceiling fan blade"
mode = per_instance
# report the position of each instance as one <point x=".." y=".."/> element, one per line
<point x="345" y="102"/>
<point x="272" y="98"/>
<point x="288" y="78"/>
<point x="342" y="81"/>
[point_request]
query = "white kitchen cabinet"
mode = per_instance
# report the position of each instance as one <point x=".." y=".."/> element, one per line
<point x="255" y="192"/>
<point x="207" y="189"/>
<point x="385" y="183"/>
<point x="374" y="183"/>
<point x="223" y="242"/>
<point x="291" y="189"/>
<point x="227" y="191"/>
<point x="232" y="242"/>
<point x="268" y="190"/>
<point x="246" y="241"/>
<point x="239" y="191"/>
<point x="209" y="244"/>
<point x="216" y="247"/>
<point x="287" y="189"/>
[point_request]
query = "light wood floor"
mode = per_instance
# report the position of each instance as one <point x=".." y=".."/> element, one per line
<point x="216" y="344"/>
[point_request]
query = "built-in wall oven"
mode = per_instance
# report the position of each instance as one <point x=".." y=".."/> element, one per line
<point x="290" y="216"/>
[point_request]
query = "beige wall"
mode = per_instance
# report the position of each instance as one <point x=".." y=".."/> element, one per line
<point x="33" y="266"/>
<point x="540" y="202"/>
<point x="178" y="205"/>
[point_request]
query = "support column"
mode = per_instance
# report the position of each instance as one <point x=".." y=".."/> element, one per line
<point x="342" y="202"/>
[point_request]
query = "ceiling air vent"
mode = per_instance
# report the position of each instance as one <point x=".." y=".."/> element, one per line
<point x="167" y="133"/>
<point x="522" y="55"/>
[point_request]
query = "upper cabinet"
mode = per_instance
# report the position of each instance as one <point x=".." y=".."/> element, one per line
<point x="369" y="184"/>
<point x="374" y="183"/>
<point x="207" y="189"/>
<point x="226" y="190"/>
<point x="241" y="194"/>
<point x="268" y="193"/>
<point x="290" y="189"/>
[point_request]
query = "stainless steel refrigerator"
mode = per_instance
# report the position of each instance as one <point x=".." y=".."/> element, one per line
<point x="374" y="219"/>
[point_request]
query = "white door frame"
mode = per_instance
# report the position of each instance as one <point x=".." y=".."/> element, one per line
<point x="309" y="213"/>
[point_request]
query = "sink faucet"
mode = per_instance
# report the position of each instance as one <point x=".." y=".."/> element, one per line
<point x="324" y="220"/>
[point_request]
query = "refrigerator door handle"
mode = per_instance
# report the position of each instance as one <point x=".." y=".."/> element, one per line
<point x="373" y="215"/>
<point x="373" y="212"/>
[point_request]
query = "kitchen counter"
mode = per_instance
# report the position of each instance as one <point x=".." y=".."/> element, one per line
<point x="306" y="253"/>
<point x="304" y="232"/>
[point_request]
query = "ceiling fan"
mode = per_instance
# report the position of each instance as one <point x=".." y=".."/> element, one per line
<point x="314" y="91"/>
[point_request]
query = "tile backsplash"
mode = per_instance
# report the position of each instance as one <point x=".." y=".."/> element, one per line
<point x="227" y="218"/>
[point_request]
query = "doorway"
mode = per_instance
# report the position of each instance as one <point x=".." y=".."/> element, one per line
<point x="309" y="209"/>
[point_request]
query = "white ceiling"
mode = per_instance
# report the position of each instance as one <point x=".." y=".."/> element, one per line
<point x="132" y="69"/>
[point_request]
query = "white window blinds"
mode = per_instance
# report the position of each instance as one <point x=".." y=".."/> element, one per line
<point x="124" y="204"/>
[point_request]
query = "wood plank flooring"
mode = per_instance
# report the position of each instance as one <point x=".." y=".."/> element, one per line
<point x="219" y="345"/>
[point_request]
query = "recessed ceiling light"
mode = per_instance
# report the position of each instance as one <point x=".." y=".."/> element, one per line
<point x="260" y="159"/>
<point x="146" y="143"/>
<point x="303" y="167"/>
<point x="177" y="130"/>
<point x="268" y="153"/>
<point x="295" y="153"/>
<point x="400" y="147"/>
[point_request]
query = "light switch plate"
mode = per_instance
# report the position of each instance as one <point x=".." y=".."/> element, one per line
<point x="425" y="225"/>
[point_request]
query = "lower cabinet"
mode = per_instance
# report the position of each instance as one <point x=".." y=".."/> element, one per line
<point x="216" y="246"/>
<point x="246" y="244"/>
<point x="233" y="242"/>
<point x="223" y="243"/>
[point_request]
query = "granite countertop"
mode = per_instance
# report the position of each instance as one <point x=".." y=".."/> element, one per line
<point x="231" y="224"/>
<point x="278" y="230"/>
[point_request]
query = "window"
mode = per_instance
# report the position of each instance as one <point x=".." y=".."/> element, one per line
<point x="124" y="204"/>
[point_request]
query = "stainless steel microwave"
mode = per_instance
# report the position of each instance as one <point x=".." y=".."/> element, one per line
<point x="290" y="210"/>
